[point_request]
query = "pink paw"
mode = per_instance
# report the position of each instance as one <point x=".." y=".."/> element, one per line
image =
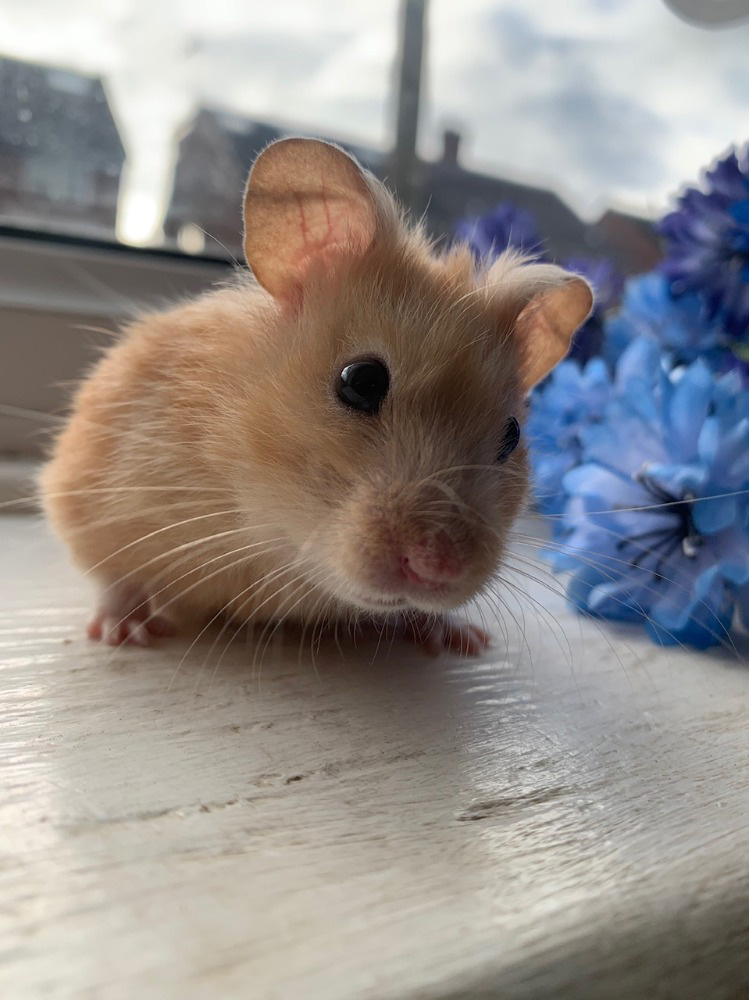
<point x="448" y="635"/>
<point x="124" y="617"/>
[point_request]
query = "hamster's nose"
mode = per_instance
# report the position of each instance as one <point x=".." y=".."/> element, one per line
<point x="431" y="564"/>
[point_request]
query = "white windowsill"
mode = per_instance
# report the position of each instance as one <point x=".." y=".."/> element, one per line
<point x="562" y="819"/>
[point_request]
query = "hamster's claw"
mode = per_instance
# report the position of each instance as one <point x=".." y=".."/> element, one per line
<point x="448" y="634"/>
<point x="124" y="617"/>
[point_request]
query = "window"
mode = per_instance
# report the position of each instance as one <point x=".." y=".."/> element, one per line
<point x="138" y="121"/>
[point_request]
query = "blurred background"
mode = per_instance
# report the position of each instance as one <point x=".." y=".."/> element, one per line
<point x="136" y="122"/>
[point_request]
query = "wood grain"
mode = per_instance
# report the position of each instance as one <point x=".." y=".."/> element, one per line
<point x="568" y="817"/>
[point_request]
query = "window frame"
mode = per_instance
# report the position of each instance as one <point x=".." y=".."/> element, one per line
<point x="61" y="300"/>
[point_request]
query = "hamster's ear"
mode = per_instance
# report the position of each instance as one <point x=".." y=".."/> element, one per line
<point x="546" y="325"/>
<point x="306" y="201"/>
<point x="547" y="305"/>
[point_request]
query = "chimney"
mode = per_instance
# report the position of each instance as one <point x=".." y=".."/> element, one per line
<point x="450" y="147"/>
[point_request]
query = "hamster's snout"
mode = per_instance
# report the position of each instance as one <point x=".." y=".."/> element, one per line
<point x="407" y="571"/>
<point x="432" y="562"/>
<point x="394" y="553"/>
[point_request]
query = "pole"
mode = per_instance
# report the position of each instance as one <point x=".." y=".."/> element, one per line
<point x="409" y="74"/>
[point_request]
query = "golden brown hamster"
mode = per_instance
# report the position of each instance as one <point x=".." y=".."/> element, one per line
<point x="335" y="439"/>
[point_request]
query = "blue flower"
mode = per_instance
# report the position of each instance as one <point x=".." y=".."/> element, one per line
<point x="681" y="325"/>
<point x="572" y="399"/>
<point x="707" y="243"/>
<point x="505" y="227"/>
<point x="607" y="283"/>
<point x="509" y="227"/>
<point x="655" y="527"/>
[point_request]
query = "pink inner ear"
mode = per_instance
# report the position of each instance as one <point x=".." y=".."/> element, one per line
<point x="307" y="204"/>
<point x="327" y="225"/>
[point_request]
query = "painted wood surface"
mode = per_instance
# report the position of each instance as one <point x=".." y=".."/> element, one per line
<point x="568" y="817"/>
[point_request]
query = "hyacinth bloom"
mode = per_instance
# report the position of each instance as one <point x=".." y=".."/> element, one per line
<point x="707" y="243"/>
<point x="504" y="227"/>
<point x="507" y="226"/>
<point x="606" y="283"/>
<point x="640" y="439"/>
<point x="680" y="325"/>
<point x="655" y="527"/>
<point x="572" y="399"/>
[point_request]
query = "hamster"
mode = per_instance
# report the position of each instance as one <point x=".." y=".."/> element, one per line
<point x="336" y="438"/>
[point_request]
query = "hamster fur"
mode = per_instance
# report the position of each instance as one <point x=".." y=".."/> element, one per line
<point x="209" y="469"/>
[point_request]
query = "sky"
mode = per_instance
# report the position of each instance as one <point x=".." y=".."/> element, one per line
<point x="608" y="102"/>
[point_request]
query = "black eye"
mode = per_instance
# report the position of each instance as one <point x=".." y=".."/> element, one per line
<point x="363" y="385"/>
<point x="510" y="440"/>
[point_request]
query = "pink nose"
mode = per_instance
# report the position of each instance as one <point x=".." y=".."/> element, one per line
<point x="429" y="566"/>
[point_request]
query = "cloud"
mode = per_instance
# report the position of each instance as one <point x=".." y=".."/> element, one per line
<point x="603" y="100"/>
<point x="606" y="135"/>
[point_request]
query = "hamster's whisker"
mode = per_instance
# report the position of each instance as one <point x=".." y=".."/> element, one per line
<point x="187" y="547"/>
<point x="539" y="608"/>
<point x="521" y="630"/>
<point x="231" y="639"/>
<point x="294" y="564"/>
<point x="319" y="607"/>
<point x="60" y="419"/>
<point x="379" y="626"/>
<point x="160" y="531"/>
<point x="318" y="628"/>
<point x="603" y="565"/>
<point x="302" y="580"/>
<point x="204" y="579"/>
<point x="308" y="587"/>
<point x="639" y="507"/>
<point x="724" y="638"/>
<point x="500" y="622"/>
<point x="227" y="251"/>
<point x="606" y="561"/>
<point x="156" y="611"/>
<point x="119" y="517"/>
<point x="36" y="498"/>
<point x="88" y="328"/>
<point x="235" y="617"/>
<point x="596" y="624"/>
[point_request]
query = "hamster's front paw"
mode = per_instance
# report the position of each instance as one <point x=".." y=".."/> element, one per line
<point x="124" y="617"/>
<point x="447" y="634"/>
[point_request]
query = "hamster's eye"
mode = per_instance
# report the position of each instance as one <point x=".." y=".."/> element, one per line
<point x="510" y="440"/>
<point x="363" y="384"/>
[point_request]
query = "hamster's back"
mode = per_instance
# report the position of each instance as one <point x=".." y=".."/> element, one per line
<point x="133" y="476"/>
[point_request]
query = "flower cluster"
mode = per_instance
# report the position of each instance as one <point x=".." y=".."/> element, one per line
<point x="707" y="243"/>
<point x="505" y="227"/>
<point x="655" y="515"/>
<point x="680" y="326"/>
<point x="640" y="439"/>
<point x="572" y="398"/>
<point x="607" y="285"/>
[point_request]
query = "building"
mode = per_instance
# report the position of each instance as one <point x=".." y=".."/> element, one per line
<point x="214" y="155"/>
<point x="629" y="241"/>
<point x="217" y="149"/>
<point x="61" y="155"/>
<point x="450" y="193"/>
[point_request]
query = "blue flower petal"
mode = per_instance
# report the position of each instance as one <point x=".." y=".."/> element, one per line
<point x="713" y="514"/>
<point x="690" y="405"/>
